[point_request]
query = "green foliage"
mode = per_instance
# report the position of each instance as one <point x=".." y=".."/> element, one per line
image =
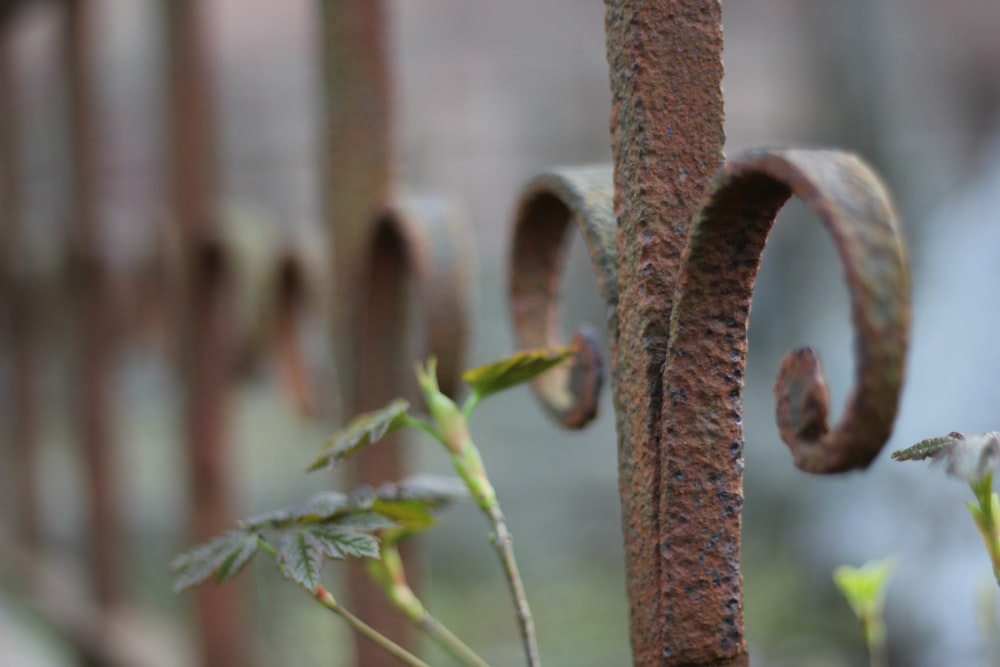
<point x="327" y="525"/>
<point x="320" y="507"/>
<point x="864" y="587"/>
<point x="222" y="557"/>
<point x="362" y="431"/>
<point x="368" y="522"/>
<point x="518" y="369"/>
<point x="302" y="550"/>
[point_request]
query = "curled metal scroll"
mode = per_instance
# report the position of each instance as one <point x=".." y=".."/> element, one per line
<point x="277" y="278"/>
<point x="430" y="236"/>
<point x="715" y="286"/>
<point x="541" y="237"/>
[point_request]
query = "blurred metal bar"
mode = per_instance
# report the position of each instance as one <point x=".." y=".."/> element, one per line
<point x="356" y="182"/>
<point x="96" y="316"/>
<point x="17" y="318"/>
<point x="207" y="338"/>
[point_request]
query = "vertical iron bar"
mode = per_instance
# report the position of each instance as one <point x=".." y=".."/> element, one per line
<point x="96" y="313"/>
<point x="17" y="318"/>
<point x="665" y="60"/>
<point x="206" y="335"/>
<point x="357" y="161"/>
<point x="368" y="337"/>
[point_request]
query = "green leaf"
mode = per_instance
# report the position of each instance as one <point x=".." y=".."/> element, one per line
<point x="515" y="370"/>
<point x="432" y="490"/>
<point x="362" y="431"/>
<point x="300" y="558"/>
<point x="301" y="550"/>
<point x="864" y="587"/>
<point x="239" y="559"/>
<point x="321" y="507"/>
<point x="343" y="543"/>
<point x="410" y="515"/>
<point x="410" y="503"/>
<point x="223" y="556"/>
<point x="365" y="522"/>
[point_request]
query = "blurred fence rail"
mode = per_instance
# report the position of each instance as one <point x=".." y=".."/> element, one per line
<point x="216" y="299"/>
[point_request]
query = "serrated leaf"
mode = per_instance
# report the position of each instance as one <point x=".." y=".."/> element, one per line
<point x="323" y="506"/>
<point x="343" y="543"/>
<point x="238" y="559"/>
<point x="196" y="566"/>
<point x="300" y="558"/>
<point x="362" y="431"/>
<point x="518" y="369"/>
<point x="928" y="448"/>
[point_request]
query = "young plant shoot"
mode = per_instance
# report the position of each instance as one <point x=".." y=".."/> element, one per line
<point x="864" y="588"/>
<point x="973" y="459"/>
<point x="370" y="522"/>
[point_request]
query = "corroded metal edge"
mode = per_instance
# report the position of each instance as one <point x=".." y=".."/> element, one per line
<point x="700" y="502"/>
<point x="549" y="204"/>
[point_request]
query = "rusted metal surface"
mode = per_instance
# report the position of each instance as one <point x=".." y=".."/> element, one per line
<point x="679" y="338"/>
<point x="207" y="337"/>
<point x="549" y="204"/>
<point x="665" y="62"/>
<point x="700" y="596"/>
<point x="96" y="314"/>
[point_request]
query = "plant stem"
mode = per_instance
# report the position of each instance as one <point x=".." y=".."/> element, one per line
<point x="470" y="404"/>
<point x="875" y="636"/>
<point x="389" y="574"/>
<point x="453" y="425"/>
<point x="455" y="646"/>
<point x="324" y="598"/>
<point x="987" y="518"/>
<point x="503" y="543"/>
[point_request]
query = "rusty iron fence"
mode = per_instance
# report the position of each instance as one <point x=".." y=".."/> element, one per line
<point x="675" y="234"/>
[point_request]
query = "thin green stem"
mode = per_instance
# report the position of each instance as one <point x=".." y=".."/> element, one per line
<point x="453" y="425"/>
<point x="421" y="425"/>
<point x="325" y="598"/>
<point x="389" y="574"/>
<point x="448" y="641"/>
<point x="504" y="545"/>
<point x="470" y="404"/>
<point x="875" y="636"/>
<point x="986" y="514"/>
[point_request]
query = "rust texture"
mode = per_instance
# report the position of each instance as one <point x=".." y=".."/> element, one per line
<point x="686" y="270"/>
<point x="206" y="335"/>
<point x="96" y="314"/>
<point x="665" y="61"/>
<point x="549" y="204"/>
<point x="701" y="462"/>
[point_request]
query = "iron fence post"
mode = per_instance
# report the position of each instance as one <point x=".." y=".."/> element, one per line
<point x="96" y="314"/>
<point x="207" y="338"/>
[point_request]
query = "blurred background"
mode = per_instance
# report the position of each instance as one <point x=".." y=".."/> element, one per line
<point x="485" y="94"/>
